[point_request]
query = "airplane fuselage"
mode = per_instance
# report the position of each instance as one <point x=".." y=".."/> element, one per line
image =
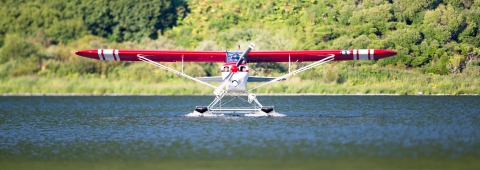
<point x="238" y="82"/>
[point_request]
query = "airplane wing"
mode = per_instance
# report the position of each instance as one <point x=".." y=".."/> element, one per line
<point x="221" y="56"/>
<point x="250" y="79"/>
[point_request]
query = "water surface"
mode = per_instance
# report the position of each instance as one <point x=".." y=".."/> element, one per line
<point x="335" y="132"/>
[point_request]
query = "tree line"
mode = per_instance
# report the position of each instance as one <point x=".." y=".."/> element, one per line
<point x="39" y="37"/>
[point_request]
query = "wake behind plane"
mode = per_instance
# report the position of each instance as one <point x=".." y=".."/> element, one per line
<point x="235" y="72"/>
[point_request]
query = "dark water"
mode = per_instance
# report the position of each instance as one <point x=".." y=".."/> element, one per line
<point x="335" y="132"/>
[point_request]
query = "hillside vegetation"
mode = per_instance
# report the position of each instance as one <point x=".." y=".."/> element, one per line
<point x="437" y="43"/>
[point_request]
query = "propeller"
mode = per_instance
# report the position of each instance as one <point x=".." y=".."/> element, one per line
<point x="244" y="55"/>
<point x="227" y="79"/>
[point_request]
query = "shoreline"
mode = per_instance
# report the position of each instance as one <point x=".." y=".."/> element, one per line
<point x="283" y="94"/>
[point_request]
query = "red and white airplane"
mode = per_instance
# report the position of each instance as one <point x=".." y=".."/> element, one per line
<point x="235" y="72"/>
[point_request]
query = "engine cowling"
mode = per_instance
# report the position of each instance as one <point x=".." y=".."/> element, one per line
<point x="234" y="83"/>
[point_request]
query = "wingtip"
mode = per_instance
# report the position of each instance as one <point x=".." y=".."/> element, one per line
<point x="392" y="52"/>
<point x="87" y="53"/>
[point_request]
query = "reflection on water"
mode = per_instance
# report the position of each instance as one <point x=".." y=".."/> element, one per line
<point x="316" y="127"/>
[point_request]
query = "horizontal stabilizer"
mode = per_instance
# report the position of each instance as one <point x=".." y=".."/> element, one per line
<point x="250" y="79"/>
<point x="211" y="79"/>
<point x="261" y="79"/>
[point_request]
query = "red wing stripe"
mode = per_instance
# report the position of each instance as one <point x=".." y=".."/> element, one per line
<point x="358" y="55"/>
<point x="103" y="57"/>
<point x="114" y="57"/>
<point x="353" y="54"/>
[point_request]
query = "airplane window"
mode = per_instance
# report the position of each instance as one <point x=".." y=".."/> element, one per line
<point x="233" y="56"/>
<point x="225" y="69"/>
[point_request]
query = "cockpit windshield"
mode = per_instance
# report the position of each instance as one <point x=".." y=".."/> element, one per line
<point x="233" y="56"/>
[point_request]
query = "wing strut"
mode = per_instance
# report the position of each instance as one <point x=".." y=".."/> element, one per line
<point x="316" y="63"/>
<point x="142" y="58"/>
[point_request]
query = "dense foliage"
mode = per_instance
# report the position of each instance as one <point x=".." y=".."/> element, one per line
<point x="432" y="37"/>
<point x="440" y="36"/>
<point x="64" y="21"/>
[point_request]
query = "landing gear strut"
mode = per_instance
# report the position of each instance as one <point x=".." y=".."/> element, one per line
<point x="217" y="106"/>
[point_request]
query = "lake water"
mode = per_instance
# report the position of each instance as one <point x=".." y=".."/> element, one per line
<point x="152" y="132"/>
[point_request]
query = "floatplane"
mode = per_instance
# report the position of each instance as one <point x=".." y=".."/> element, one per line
<point x="235" y="72"/>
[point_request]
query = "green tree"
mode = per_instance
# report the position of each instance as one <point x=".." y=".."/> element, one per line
<point x="17" y="48"/>
<point x="404" y="37"/>
<point x="377" y="16"/>
<point x="128" y="20"/>
<point x="411" y="11"/>
<point x="442" y="23"/>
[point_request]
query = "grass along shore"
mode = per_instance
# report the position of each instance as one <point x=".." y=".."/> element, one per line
<point x="401" y="82"/>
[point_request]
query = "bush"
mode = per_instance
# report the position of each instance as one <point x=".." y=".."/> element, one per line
<point x="17" y="48"/>
<point x="331" y="76"/>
